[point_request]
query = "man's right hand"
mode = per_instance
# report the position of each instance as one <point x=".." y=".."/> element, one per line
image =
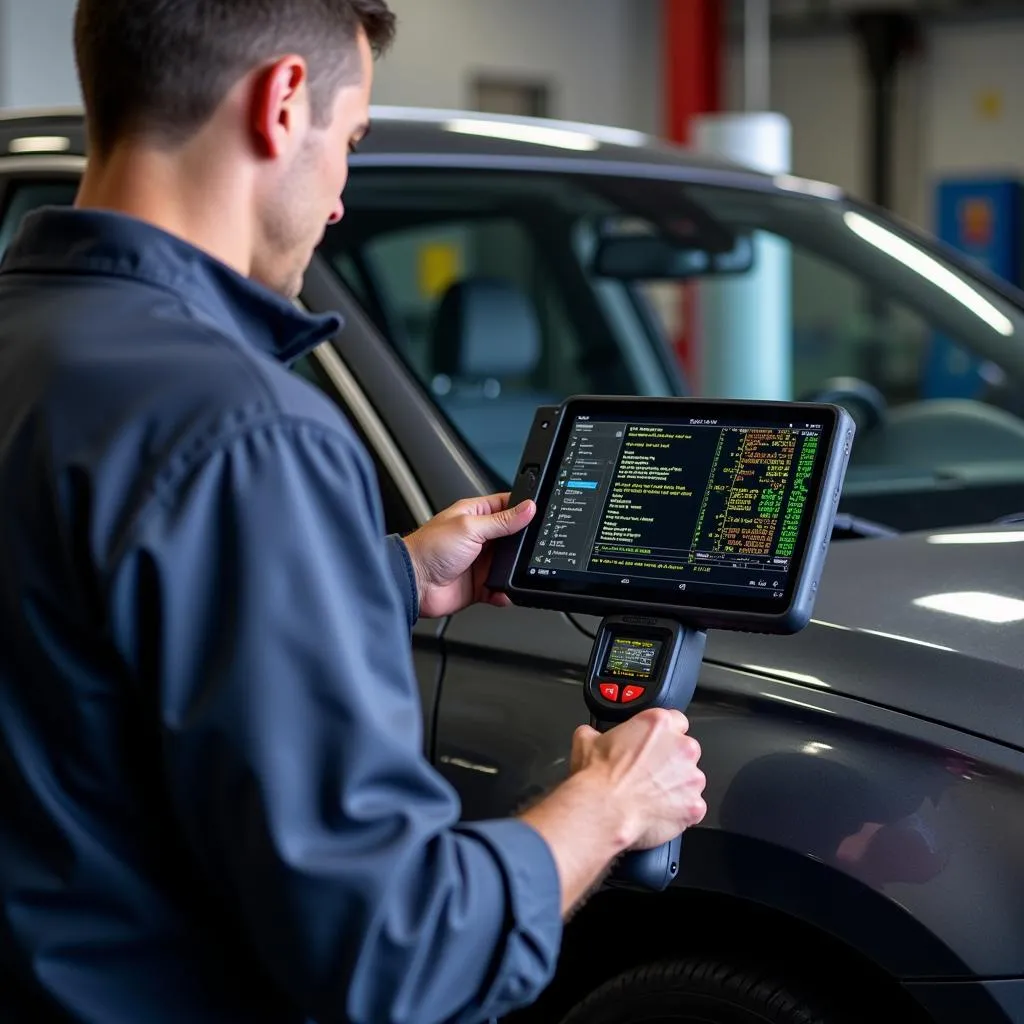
<point x="634" y="787"/>
<point x="648" y="767"/>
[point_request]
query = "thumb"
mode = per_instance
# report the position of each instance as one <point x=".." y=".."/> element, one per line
<point x="506" y="522"/>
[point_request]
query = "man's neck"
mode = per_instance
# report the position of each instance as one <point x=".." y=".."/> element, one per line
<point x="175" y="192"/>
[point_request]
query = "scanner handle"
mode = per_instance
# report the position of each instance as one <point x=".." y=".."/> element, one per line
<point x="650" y="869"/>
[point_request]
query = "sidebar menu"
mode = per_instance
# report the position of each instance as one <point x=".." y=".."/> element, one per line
<point x="578" y="498"/>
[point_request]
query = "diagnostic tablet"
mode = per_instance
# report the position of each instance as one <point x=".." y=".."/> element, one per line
<point x="717" y="514"/>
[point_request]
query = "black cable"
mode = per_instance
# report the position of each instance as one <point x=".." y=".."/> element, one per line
<point x="583" y="629"/>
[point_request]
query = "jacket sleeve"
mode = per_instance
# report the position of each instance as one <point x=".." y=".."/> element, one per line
<point x="259" y="597"/>
<point x="405" y="576"/>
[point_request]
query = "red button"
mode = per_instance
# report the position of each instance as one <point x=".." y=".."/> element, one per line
<point x="610" y="691"/>
<point x="632" y="693"/>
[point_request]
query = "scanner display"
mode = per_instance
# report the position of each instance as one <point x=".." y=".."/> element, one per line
<point x="632" y="658"/>
<point x="709" y="505"/>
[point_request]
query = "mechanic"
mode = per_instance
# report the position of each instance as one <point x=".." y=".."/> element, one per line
<point x="214" y="804"/>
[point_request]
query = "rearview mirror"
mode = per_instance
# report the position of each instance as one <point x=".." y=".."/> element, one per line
<point x="650" y="257"/>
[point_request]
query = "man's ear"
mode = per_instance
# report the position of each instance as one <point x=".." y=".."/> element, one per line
<point x="280" y="106"/>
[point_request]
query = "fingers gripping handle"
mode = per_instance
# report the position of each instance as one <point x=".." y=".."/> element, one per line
<point x="649" y="869"/>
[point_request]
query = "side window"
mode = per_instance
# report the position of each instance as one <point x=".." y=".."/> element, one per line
<point x="424" y="273"/>
<point x="473" y="310"/>
<point x="477" y="282"/>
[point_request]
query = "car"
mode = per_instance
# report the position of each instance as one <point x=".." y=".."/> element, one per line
<point x="863" y="853"/>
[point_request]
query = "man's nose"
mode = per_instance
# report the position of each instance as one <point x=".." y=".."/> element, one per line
<point x="337" y="213"/>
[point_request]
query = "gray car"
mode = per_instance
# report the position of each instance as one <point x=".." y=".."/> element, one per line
<point x="863" y="854"/>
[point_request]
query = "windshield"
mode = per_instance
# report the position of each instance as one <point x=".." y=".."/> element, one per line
<point x="507" y="290"/>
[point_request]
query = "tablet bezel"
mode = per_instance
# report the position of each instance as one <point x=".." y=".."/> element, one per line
<point x="701" y="610"/>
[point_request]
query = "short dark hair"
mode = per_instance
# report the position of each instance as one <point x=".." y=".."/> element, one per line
<point x="160" y="68"/>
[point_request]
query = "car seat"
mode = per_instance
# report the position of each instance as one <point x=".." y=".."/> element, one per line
<point x="485" y="351"/>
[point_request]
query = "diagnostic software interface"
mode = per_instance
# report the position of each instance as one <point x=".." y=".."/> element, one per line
<point x="712" y="505"/>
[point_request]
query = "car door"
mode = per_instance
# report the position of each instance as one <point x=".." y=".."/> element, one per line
<point x="28" y="183"/>
<point x="512" y="697"/>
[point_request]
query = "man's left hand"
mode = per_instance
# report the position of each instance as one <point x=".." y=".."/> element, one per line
<point x="452" y="556"/>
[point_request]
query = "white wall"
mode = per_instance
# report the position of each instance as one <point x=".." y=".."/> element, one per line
<point x="814" y="86"/>
<point x="37" y="66"/>
<point x="964" y="65"/>
<point x="595" y="54"/>
<point x="579" y="46"/>
<point x="645" y="108"/>
<point x="960" y="109"/>
<point x="822" y="88"/>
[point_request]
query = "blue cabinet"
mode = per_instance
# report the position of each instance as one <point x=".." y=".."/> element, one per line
<point x="982" y="218"/>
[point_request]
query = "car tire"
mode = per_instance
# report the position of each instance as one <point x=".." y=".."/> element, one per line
<point x="697" y="991"/>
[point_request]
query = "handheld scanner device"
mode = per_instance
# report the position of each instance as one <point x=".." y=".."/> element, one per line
<point x="637" y="663"/>
<point x="667" y="518"/>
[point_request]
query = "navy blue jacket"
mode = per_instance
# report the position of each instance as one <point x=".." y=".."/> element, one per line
<point x="214" y="808"/>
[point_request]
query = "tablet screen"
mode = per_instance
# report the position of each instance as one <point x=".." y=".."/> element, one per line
<point x="704" y="510"/>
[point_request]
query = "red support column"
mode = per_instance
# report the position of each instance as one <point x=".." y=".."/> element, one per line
<point x="693" y="42"/>
<point x="693" y="62"/>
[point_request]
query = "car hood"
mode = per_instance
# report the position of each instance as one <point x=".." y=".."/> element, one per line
<point x="930" y="624"/>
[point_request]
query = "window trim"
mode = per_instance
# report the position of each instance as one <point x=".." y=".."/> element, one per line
<point x="361" y="408"/>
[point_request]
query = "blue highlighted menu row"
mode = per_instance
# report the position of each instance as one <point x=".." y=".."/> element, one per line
<point x="582" y="485"/>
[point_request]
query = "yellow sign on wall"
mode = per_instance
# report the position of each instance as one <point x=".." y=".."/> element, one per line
<point x="990" y="104"/>
<point x="440" y="265"/>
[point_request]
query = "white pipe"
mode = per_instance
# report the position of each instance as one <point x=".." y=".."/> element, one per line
<point x="746" y="322"/>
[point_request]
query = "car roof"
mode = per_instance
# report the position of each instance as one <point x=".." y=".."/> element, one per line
<point x="459" y="135"/>
<point x="457" y="132"/>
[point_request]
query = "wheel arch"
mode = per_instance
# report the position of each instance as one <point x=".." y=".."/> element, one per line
<point x="869" y="940"/>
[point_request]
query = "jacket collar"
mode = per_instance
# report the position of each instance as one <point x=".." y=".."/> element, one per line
<point x="78" y="241"/>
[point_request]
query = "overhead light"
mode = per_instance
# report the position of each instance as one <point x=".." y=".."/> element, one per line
<point x="1008" y="537"/>
<point x="976" y="605"/>
<point x="540" y="135"/>
<point x="930" y="269"/>
<point x="40" y="144"/>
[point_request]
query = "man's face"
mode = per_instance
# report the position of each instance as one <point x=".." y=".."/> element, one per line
<point x="306" y="194"/>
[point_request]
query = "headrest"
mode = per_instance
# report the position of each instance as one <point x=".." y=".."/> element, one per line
<point x="484" y="328"/>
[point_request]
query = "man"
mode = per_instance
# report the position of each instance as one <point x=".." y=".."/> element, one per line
<point x="213" y="804"/>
